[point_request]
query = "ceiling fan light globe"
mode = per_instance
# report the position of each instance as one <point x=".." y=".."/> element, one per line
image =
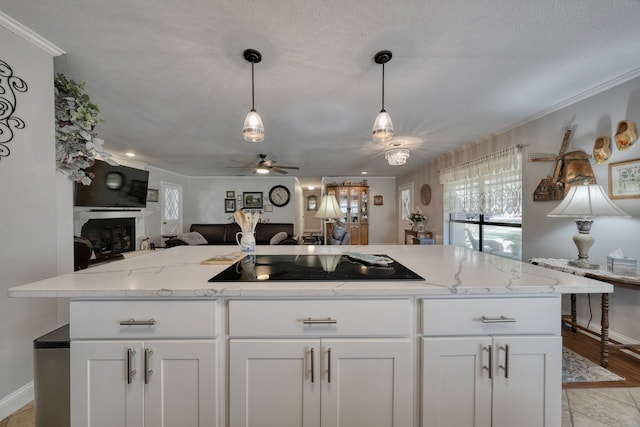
<point x="382" y="127"/>
<point x="253" y="129"/>
<point x="262" y="171"/>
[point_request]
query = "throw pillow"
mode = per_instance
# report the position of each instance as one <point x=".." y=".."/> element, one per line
<point x="278" y="237"/>
<point x="193" y="238"/>
<point x="338" y="232"/>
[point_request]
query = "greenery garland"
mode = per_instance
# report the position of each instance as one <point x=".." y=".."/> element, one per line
<point x="77" y="145"/>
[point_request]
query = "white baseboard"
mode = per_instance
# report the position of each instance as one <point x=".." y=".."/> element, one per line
<point x="16" y="400"/>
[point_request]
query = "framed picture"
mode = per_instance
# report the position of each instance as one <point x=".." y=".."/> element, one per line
<point x="268" y="208"/>
<point x="231" y="194"/>
<point x="252" y="200"/>
<point x="312" y="203"/>
<point x="239" y="198"/>
<point x="377" y="200"/>
<point x="624" y="180"/>
<point x="229" y="205"/>
<point x="152" y="195"/>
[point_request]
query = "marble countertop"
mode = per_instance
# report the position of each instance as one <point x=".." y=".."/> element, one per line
<point x="177" y="272"/>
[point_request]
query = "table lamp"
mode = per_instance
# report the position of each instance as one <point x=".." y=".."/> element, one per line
<point x="586" y="202"/>
<point x="329" y="209"/>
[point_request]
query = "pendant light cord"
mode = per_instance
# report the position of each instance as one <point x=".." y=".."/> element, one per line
<point x="253" y="106"/>
<point x="382" y="87"/>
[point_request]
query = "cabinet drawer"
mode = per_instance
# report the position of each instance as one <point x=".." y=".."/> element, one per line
<point x="284" y="318"/>
<point x="171" y="319"/>
<point x="491" y="316"/>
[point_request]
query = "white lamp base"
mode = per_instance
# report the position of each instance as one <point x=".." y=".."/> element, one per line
<point x="583" y="241"/>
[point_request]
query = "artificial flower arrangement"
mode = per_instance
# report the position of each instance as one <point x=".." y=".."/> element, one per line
<point x="416" y="216"/>
<point x="77" y="145"/>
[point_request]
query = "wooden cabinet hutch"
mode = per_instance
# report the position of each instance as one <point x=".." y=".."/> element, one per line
<point x="354" y="204"/>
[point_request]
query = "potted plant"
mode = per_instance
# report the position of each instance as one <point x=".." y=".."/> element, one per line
<point x="77" y="145"/>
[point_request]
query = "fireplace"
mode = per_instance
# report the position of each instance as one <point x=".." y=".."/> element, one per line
<point x="110" y="236"/>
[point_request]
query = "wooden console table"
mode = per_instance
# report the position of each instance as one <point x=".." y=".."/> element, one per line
<point x="617" y="280"/>
<point x="410" y="234"/>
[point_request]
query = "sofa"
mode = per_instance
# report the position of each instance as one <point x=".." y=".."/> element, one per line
<point x="225" y="234"/>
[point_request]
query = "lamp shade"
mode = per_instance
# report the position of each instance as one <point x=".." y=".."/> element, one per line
<point x="329" y="208"/>
<point x="382" y="127"/>
<point x="587" y="201"/>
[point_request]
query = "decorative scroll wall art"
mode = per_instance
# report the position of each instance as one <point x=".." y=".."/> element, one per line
<point x="9" y="85"/>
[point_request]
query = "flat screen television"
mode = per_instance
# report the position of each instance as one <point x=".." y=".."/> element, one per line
<point x="113" y="187"/>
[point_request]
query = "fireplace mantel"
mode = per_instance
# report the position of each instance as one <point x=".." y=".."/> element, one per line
<point x="85" y="214"/>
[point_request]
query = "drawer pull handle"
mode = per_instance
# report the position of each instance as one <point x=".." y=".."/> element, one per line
<point x="130" y="371"/>
<point x="501" y="319"/>
<point x="147" y="365"/>
<point x="310" y="321"/>
<point x="134" y="322"/>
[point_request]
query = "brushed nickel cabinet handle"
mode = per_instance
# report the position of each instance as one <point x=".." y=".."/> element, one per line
<point x="506" y="360"/>
<point x="310" y="321"/>
<point x="312" y="365"/>
<point x="501" y="319"/>
<point x="489" y="367"/>
<point x="147" y="365"/>
<point x="329" y="364"/>
<point x="134" y="322"/>
<point x="130" y="371"/>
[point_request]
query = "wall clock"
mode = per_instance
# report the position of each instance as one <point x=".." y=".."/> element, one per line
<point x="425" y="194"/>
<point x="279" y="195"/>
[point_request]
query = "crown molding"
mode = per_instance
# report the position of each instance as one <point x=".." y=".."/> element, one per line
<point x="29" y="35"/>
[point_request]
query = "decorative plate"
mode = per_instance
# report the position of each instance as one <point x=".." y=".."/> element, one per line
<point x="425" y="194"/>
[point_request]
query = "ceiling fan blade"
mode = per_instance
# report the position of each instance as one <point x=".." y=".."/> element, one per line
<point x="287" y="167"/>
<point x="274" y="169"/>
<point x="267" y="163"/>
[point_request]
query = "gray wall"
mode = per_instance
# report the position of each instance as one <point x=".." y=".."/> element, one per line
<point x="29" y="219"/>
<point x="552" y="237"/>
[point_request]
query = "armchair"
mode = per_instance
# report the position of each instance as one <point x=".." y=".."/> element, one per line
<point x="339" y="235"/>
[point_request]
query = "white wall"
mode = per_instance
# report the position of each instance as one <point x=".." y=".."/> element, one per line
<point x="552" y="237"/>
<point x="31" y="247"/>
<point x="382" y="219"/>
<point x="204" y="199"/>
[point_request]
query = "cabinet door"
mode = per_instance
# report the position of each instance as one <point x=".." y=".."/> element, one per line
<point x="456" y="388"/>
<point x="367" y="382"/>
<point x="101" y="395"/>
<point x="181" y="383"/>
<point x="529" y="394"/>
<point x="274" y="383"/>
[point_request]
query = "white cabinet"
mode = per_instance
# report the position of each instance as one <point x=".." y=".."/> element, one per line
<point x="491" y="378"/>
<point x="324" y="380"/>
<point x="163" y="380"/>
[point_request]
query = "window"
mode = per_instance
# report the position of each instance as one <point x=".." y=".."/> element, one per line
<point x="484" y="201"/>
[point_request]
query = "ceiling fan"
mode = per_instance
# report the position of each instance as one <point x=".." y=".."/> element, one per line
<point x="264" y="166"/>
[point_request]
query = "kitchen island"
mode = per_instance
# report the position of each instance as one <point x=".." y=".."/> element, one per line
<point x="477" y="342"/>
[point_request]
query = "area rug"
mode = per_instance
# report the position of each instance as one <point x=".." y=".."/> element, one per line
<point x="576" y="368"/>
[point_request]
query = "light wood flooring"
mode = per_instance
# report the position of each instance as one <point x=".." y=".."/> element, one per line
<point x="23" y="417"/>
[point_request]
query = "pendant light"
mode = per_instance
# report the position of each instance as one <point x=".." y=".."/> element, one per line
<point x="382" y="127"/>
<point x="253" y="129"/>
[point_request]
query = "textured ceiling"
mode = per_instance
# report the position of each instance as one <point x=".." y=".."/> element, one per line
<point x="173" y="86"/>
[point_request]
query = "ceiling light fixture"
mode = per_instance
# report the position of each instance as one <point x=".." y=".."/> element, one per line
<point x="382" y="127"/>
<point x="253" y="129"/>
<point x="262" y="170"/>
<point x="396" y="156"/>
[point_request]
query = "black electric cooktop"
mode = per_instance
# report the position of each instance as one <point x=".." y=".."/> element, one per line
<point x="263" y="268"/>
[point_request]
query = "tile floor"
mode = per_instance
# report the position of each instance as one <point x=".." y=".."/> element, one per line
<point x="601" y="407"/>
<point x="587" y="407"/>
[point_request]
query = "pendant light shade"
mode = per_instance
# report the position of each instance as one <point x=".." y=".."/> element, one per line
<point x="382" y="127"/>
<point x="253" y="129"/>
